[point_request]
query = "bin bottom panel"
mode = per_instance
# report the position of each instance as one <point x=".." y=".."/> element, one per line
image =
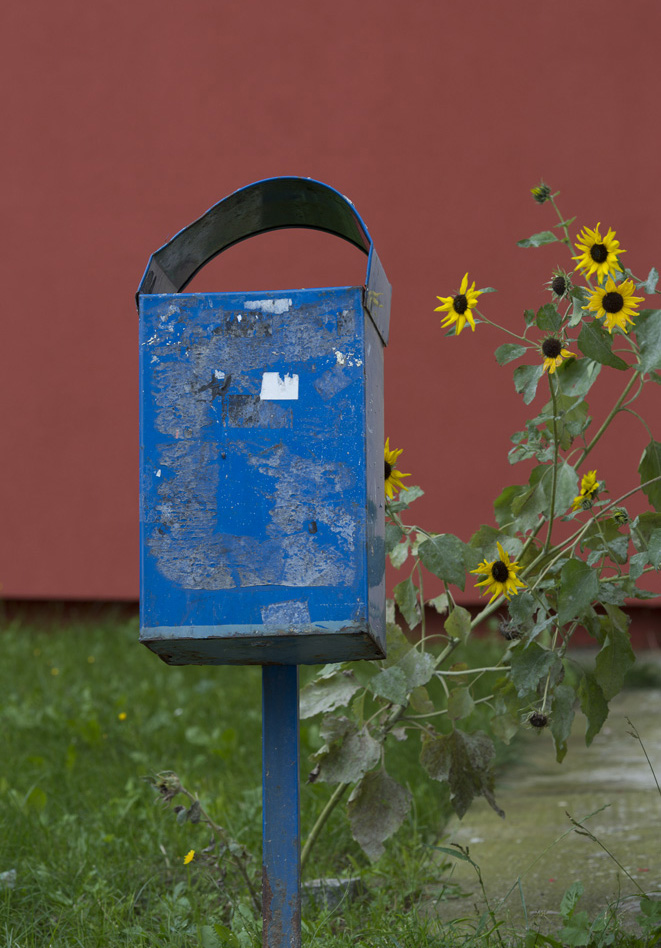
<point x="247" y="645"/>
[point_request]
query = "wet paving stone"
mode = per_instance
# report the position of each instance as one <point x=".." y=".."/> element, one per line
<point x="531" y="857"/>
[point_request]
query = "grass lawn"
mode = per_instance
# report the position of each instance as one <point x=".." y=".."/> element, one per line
<point x="85" y="714"/>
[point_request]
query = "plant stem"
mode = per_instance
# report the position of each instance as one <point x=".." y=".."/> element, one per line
<point x="611" y="415"/>
<point x="338" y="793"/>
<point x="555" y="464"/>
<point x="502" y="328"/>
<point x="562" y="221"/>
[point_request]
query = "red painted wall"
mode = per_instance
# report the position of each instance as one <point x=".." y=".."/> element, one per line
<point x="124" y="122"/>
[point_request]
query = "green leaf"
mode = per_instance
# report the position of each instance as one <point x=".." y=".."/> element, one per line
<point x="570" y="898"/>
<point x="420" y="701"/>
<point x="654" y="549"/>
<point x="577" y="376"/>
<point x="406" y="597"/>
<point x="526" y="379"/>
<point x="650" y="284"/>
<point x="390" y="684"/>
<point x="561" y="718"/>
<point x="448" y="558"/>
<point x="596" y="343"/>
<point x="539" y="240"/>
<point x="529" y="665"/>
<point x="393" y="535"/>
<point x="460" y="703"/>
<point x="509" y="352"/>
<point x="529" y="316"/>
<point x="579" y="586"/>
<point x="650" y="467"/>
<point x="464" y="761"/>
<point x="377" y="808"/>
<point x="504" y="726"/>
<point x="548" y="318"/>
<point x="614" y="659"/>
<point x="348" y="752"/>
<point x="648" y="334"/>
<point x="593" y="705"/>
<point x="502" y="506"/>
<point x="399" y="554"/>
<point x="405" y="499"/>
<point x="579" y="298"/>
<point x="458" y="623"/>
<point x="643" y="527"/>
<point x="326" y="694"/>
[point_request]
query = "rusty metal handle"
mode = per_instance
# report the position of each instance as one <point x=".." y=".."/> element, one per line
<point x="262" y="206"/>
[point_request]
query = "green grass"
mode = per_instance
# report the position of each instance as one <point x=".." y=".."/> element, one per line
<point x="85" y="714"/>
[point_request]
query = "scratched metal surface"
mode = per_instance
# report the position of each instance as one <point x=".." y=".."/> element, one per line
<point x="261" y="477"/>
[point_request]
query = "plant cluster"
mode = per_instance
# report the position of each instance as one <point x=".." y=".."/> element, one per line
<point x="561" y="554"/>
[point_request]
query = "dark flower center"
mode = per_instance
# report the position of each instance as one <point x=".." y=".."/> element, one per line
<point x="537" y="719"/>
<point x="388" y="469"/>
<point x="460" y="303"/>
<point x="551" y="347"/>
<point x="500" y="572"/>
<point x="598" y="253"/>
<point x="559" y="285"/>
<point x="613" y="302"/>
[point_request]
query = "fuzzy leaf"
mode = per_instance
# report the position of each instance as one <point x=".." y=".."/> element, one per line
<point x="649" y="467"/>
<point x="406" y="597"/>
<point x="561" y="718"/>
<point x="348" y="753"/>
<point x="579" y="586"/>
<point x="463" y="760"/>
<point x="377" y="808"/>
<point x="325" y="694"/>
<point x="509" y="352"/>
<point x="529" y="665"/>
<point x="539" y="240"/>
<point x="650" y="284"/>
<point x="446" y="557"/>
<point x="593" y="705"/>
<point x="418" y="668"/>
<point x="648" y="334"/>
<point x="390" y="684"/>
<point x="596" y="343"/>
<point x="526" y="379"/>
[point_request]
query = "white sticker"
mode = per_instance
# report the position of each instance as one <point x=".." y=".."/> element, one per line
<point x="274" y="387"/>
<point x="269" y="306"/>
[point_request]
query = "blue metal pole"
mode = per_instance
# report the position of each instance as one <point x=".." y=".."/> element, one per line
<point x="281" y="860"/>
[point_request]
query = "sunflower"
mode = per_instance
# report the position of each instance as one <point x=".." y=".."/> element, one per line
<point x="597" y="254"/>
<point x="560" y="284"/>
<point x="541" y="193"/>
<point x="553" y="353"/>
<point x="501" y="576"/>
<point x="589" y="489"/>
<point x="393" y="477"/>
<point x="459" y="307"/>
<point x="615" y="303"/>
